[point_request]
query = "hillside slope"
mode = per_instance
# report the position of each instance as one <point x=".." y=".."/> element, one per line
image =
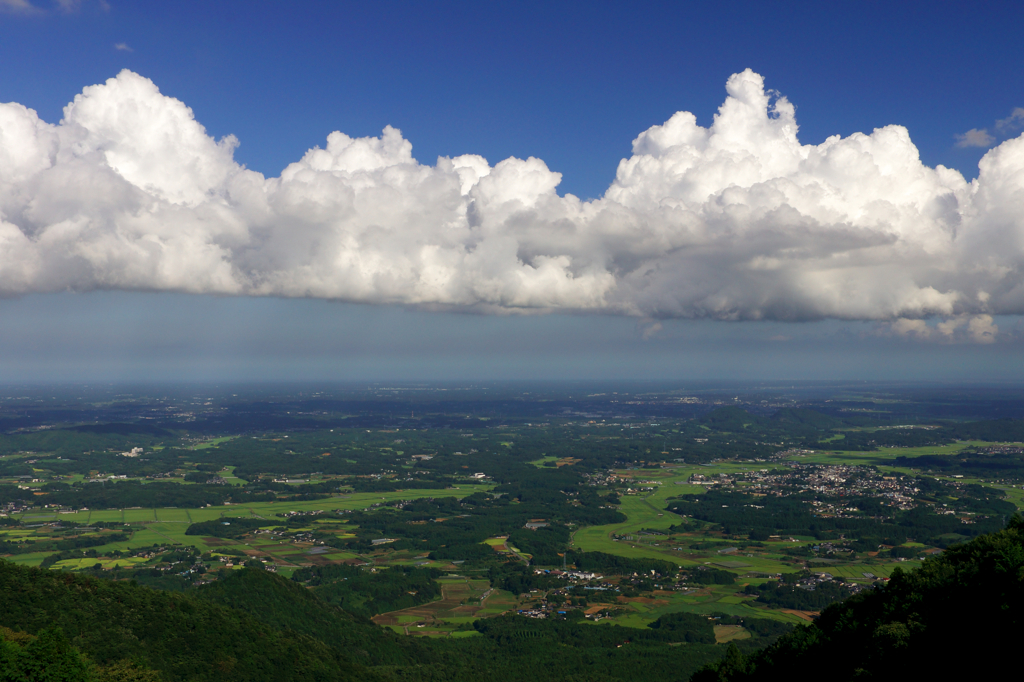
<point x="182" y="636"/>
<point x="288" y="606"/>
<point x="932" y="622"/>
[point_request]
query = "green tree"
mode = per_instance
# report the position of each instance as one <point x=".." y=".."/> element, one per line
<point x="48" y="657"/>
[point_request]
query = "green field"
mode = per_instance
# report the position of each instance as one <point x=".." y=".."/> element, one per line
<point x="139" y="515"/>
<point x="73" y="564"/>
<point x="643" y="512"/>
<point x="647" y="511"/>
<point x="1013" y="494"/>
<point x="261" y="509"/>
<point x="213" y="442"/>
<point x="228" y="474"/>
<point x="882" y="455"/>
<point x="167" y="526"/>
<point x="172" y="515"/>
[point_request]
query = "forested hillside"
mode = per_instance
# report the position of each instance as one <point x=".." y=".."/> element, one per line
<point x="288" y="606"/>
<point x="935" y="622"/>
<point x="182" y="636"/>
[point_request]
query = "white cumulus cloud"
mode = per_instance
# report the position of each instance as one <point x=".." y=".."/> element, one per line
<point x="735" y="221"/>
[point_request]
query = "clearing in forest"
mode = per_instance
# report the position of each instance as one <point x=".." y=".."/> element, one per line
<point x="727" y="633"/>
<point x="462" y="601"/>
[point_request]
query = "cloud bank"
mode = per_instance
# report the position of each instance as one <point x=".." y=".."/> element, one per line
<point x="737" y="221"/>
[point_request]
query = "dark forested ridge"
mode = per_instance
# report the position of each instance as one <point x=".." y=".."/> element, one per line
<point x="288" y="606"/>
<point x="182" y="636"/>
<point x="933" y="622"/>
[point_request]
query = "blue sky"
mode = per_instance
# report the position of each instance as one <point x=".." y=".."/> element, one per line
<point x="546" y="79"/>
<point x="572" y="85"/>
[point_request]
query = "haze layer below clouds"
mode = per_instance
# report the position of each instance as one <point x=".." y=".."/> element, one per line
<point x="129" y="337"/>
<point x="737" y="221"/>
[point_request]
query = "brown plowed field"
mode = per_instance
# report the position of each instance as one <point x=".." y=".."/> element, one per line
<point x="806" y="615"/>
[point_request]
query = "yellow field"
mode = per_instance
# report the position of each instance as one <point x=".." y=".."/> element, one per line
<point x="727" y="633"/>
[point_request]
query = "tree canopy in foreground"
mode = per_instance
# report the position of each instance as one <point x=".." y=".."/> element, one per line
<point x="931" y="622"/>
